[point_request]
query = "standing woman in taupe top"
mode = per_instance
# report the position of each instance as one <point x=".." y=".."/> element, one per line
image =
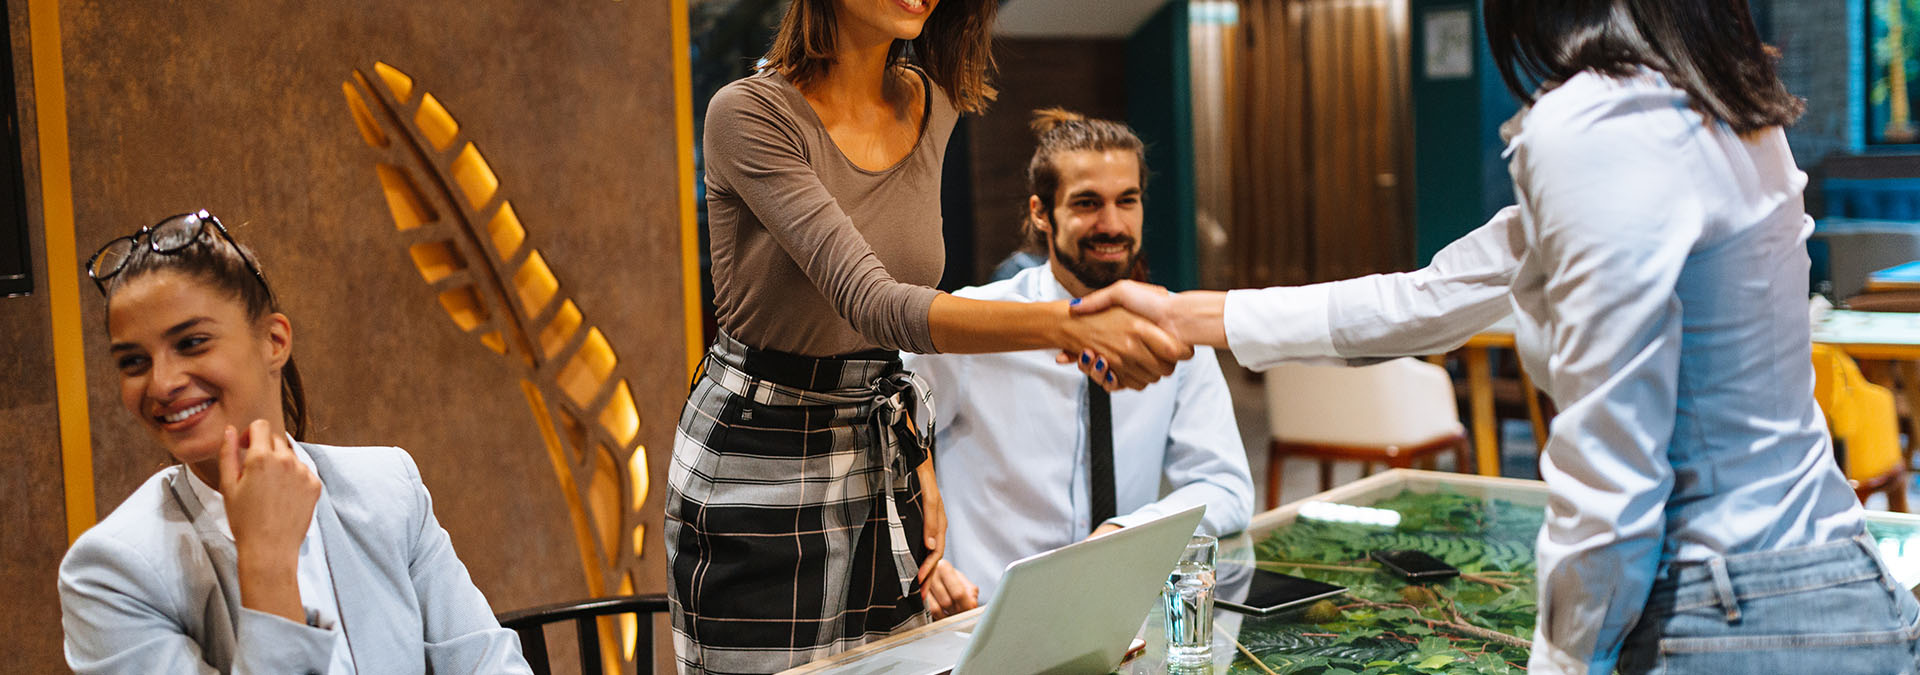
<point x="802" y="513"/>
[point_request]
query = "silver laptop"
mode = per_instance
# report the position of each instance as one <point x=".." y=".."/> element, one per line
<point x="1070" y="610"/>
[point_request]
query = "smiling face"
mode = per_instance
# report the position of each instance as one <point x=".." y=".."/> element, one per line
<point x="882" y="20"/>
<point x="1093" y="230"/>
<point x="192" y="363"/>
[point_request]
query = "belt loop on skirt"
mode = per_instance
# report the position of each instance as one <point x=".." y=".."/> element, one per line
<point x="1723" y="588"/>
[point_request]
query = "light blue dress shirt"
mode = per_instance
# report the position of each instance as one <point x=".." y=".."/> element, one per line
<point x="1657" y="270"/>
<point x="1011" y="446"/>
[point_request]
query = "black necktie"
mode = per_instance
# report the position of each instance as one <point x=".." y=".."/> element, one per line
<point x="1100" y="452"/>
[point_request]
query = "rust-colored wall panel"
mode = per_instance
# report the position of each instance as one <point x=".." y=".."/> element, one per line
<point x="237" y="107"/>
<point x="1086" y="76"/>
<point x="33" y="536"/>
<point x="33" y="532"/>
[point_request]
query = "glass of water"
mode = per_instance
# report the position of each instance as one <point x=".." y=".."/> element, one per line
<point x="1189" y="604"/>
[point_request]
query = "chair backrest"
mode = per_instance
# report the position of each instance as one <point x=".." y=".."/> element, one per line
<point x="585" y="615"/>
<point x="1399" y="402"/>
<point x="1860" y="414"/>
<point x="1861" y="249"/>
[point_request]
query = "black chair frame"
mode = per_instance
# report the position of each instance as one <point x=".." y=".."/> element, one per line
<point x="531" y="624"/>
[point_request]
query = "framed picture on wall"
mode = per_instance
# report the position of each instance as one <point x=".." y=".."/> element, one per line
<point x="1449" y="43"/>
<point x="1893" y="71"/>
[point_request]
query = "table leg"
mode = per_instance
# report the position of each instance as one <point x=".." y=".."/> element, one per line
<point x="1486" y="437"/>
<point x="1910" y="390"/>
<point x="1536" y="417"/>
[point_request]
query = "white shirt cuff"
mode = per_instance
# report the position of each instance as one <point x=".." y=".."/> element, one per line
<point x="1266" y="326"/>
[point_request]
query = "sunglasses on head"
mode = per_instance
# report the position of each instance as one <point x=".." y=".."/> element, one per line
<point x="167" y="237"/>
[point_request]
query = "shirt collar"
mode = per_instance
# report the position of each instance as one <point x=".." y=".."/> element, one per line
<point x="215" y="504"/>
<point x="1040" y="285"/>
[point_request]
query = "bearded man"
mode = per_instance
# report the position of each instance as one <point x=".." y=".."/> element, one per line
<point x="1030" y="454"/>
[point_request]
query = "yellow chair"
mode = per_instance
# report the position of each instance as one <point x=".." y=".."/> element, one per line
<point x="1863" y="421"/>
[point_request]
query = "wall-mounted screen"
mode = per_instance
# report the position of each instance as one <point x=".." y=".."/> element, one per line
<point x="16" y="256"/>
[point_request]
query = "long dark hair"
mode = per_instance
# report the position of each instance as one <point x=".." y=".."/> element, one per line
<point x="955" y="47"/>
<point x="1060" y="130"/>
<point x="213" y="261"/>
<point x="1708" y="48"/>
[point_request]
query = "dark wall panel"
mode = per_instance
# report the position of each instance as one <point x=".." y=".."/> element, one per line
<point x="1087" y="76"/>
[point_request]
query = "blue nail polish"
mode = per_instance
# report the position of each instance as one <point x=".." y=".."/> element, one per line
<point x="1083" y="358"/>
<point x="1109" y="378"/>
<point x="1076" y="301"/>
<point x="1100" y="364"/>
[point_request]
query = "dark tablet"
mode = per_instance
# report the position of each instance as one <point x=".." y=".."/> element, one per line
<point x="1272" y="592"/>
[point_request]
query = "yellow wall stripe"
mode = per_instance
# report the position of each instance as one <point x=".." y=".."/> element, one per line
<point x="693" y="313"/>
<point x="63" y="263"/>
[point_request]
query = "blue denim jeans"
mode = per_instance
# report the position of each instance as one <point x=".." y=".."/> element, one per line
<point x="1830" y="609"/>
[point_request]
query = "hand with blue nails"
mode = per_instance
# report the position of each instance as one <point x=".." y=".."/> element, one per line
<point x="1193" y="318"/>
<point x="1123" y="350"/>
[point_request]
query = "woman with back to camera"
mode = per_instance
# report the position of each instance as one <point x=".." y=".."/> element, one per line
<point x="258" y="552"/>
<point x="1697" y="521"/>
<point x="802" y="514"/>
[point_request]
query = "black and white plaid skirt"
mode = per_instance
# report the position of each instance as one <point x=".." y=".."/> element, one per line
<point x="793" y="524"/>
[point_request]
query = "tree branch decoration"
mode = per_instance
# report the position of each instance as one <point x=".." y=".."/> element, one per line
<point x="473" y="252"/>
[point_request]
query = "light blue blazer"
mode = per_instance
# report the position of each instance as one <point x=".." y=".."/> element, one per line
<point x="152" y="588"/>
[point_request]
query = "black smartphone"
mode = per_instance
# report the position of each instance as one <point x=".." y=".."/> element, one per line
<point x="1415" y="565"/>
<point x="1270" y="593"/>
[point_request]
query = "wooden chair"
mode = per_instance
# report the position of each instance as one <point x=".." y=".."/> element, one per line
<point x="1865" y="427"/>
<point x="585" y="614"/>
<point x="1399" y="413"/>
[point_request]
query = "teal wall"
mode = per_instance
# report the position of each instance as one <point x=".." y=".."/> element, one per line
<point x="1460" y="179"/>
<point x="1160" y="109"/>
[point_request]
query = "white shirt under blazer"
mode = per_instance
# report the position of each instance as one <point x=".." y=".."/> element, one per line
<point x="153" y="589"/>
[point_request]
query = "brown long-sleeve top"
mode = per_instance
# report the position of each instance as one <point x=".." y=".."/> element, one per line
<point x="812" y="254"/>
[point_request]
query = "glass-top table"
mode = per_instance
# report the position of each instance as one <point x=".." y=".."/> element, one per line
<point x="1477" y="624"/>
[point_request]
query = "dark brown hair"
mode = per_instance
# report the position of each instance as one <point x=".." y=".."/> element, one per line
<point x="955" y="48"/>
<point x="212" y="261"/>
<point x="1060" y="130"/>
<point x="1709" y="48"/>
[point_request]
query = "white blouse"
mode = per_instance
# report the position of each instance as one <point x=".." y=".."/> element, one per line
<point x="313" y="575"/>
<point x="1657" y="270"/>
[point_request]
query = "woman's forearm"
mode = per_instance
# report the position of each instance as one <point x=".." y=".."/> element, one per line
<point x="1130" y="351"/>
<point x="270" y="584"/>
<point x="1199" y="318"/>
<point x="967" y="326"/>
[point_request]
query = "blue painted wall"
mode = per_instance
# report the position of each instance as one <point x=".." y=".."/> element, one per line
<point x="1160" y="109"/>
<point x="1460" y="179"/>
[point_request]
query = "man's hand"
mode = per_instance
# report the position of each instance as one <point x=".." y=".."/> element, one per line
<point x="1103" y="530"/>
<point x="269" y="497"/>
<point x="948" y="592"/>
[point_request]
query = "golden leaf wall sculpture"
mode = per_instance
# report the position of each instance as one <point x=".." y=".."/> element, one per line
<point x="473" y="252"/>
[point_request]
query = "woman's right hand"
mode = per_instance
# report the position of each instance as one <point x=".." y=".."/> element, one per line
<point x="1132" y="351"/>
<point x="269" y="500"/>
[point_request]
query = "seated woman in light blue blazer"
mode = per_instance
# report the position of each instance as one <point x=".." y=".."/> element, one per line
<point x="257" y="553"/>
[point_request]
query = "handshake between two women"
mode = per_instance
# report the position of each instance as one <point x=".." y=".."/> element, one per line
<point x="1178" y="322"/>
